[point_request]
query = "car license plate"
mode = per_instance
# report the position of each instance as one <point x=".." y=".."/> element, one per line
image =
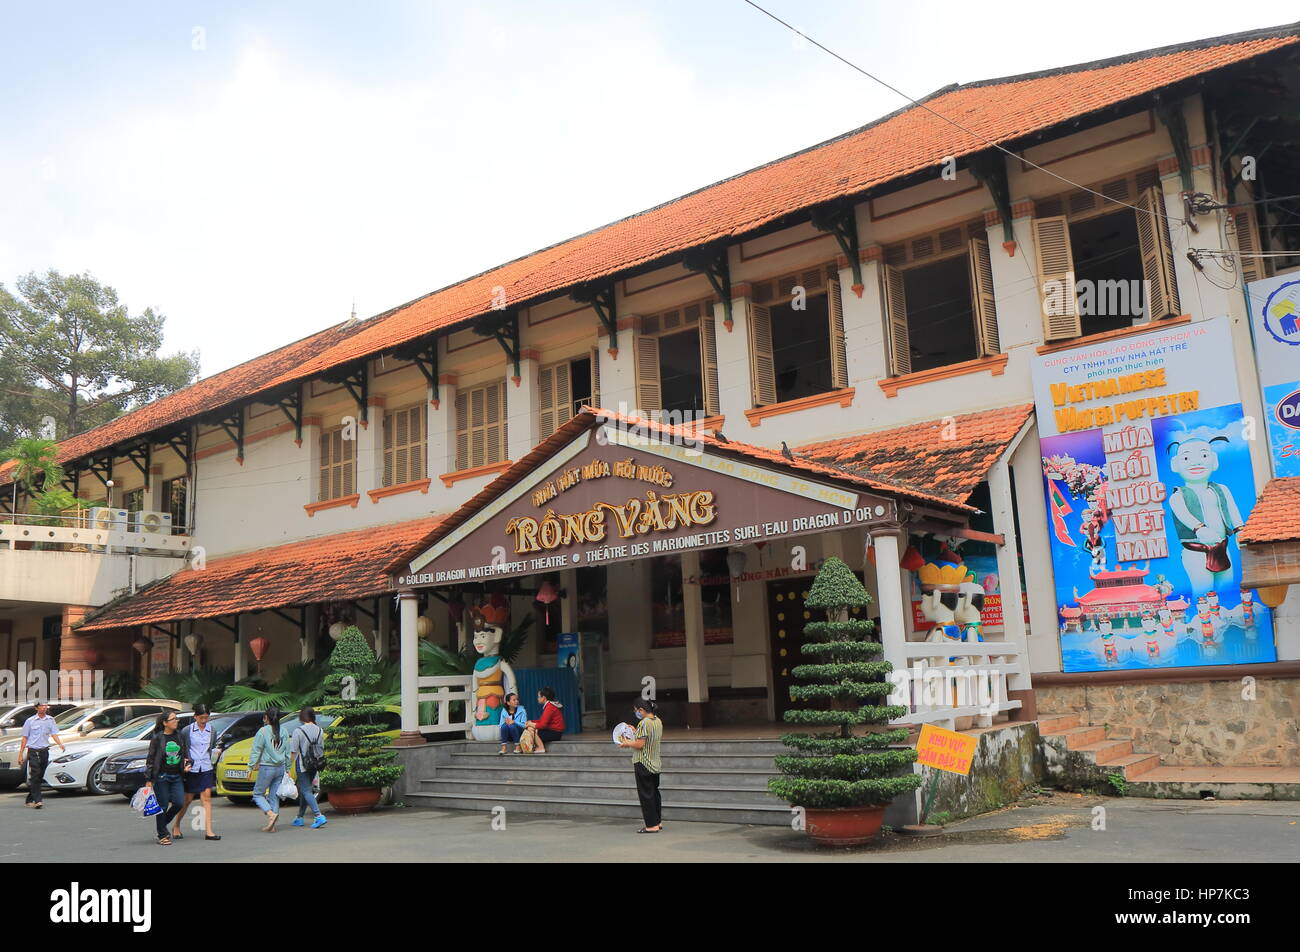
<point x="108" y="777"/>
<point x="236" y="774"/>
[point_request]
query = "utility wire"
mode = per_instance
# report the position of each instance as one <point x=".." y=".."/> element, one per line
<point x="951" y="122"/>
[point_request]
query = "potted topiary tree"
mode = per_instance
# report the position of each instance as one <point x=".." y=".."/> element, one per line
<point x="843" y="780"/>
<point x="357" y="768"/>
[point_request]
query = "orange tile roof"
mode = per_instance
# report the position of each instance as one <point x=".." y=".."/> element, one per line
<point x="920" y="455"/>
<point x="892" y="148"/>
<point x="1276" y="516"/>
<point x="591" y="416"/>
<point x="346" y="566"/>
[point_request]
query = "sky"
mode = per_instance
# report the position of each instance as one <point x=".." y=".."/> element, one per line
<point x="251" y="170"/>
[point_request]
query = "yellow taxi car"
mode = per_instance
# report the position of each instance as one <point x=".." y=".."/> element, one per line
<point x="236" y="780"/>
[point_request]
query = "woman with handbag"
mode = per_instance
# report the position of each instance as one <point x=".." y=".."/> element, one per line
<point x="549" y="726"/>
<point x="270" y="758"/>
<point x="164" y="767"/>
<point x="308" y="752"/>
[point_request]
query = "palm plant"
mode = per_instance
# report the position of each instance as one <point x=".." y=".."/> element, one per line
<point x="36" y="463"/>
<point x="301" y="685"/>
<point x="200" y="686"/>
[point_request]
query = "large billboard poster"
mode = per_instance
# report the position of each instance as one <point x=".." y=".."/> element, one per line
<point x="1275" y="325"/>
<point x="1148" y="479"/>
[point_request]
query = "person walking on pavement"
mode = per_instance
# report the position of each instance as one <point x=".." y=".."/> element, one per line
<point x="646" y="764"/>
<point x="164" y="770"/>
<point x="307" y="750"/>
<point x="270" y="758"/>
<point x="201" y="753"/>
<point x="38" y="731"/>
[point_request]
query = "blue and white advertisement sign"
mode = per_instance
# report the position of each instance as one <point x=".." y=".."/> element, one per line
<point x="1275" y="324"/>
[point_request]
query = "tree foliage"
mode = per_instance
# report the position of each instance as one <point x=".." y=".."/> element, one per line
<point x="845" y="688"/>
<point x="72" y="352"/>
<point x="352" y="757"/>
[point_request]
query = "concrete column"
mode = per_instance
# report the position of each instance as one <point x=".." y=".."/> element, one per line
<point x="311" y="626"/>
<point x="522" y="422"/>
<point x="241" y="655"/>
<point x="734" y="395"/>
<point x="410" y="662"/>
<point x="618" y="374"/>
<point x="864" y="322"/>
<point x="889" y="585"/>
<point x="697" y="674"/>
<point x="1019" y="686"/>
<point x="383" y="628"/>
<point x="442" y="427"/>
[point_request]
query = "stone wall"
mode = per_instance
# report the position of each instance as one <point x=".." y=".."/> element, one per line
<point x="1193" y="724"/>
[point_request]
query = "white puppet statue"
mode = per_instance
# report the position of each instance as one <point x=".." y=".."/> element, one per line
<point x="494" y="679"/>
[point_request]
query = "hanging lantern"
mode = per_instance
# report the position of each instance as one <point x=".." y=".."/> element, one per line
<point x="1273" y="595"/>
<point x="497" y="610"/>
<point x="336" y="630"/>
<point x="455" y="609"/>
<point x="142" y="645"/>
<point x="736" y="559"/>
<point x="911" y="559"/>
<point x="193" y="642"/>
<point x="423" y="626"/>
<point x="258" y="646"/>
<point x="547" y="594"/>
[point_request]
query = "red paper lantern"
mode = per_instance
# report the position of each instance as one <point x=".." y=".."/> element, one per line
<point x="911" y="559"/>
<point x="258" y="646"/>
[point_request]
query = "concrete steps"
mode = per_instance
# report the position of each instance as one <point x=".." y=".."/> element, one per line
<point x="714" y="781"/>
<point x="1220" y="783"/>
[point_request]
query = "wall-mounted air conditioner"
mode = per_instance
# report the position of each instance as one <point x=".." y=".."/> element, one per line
<point x="106" y="519"/>
<point x="157" y="523"/>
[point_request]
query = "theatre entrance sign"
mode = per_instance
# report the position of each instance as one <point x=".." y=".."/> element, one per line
<point x="613" y="495"/>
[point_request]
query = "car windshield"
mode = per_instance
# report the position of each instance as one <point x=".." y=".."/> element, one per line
<point x="68" y="718"/>
<point x="133" y="728"/>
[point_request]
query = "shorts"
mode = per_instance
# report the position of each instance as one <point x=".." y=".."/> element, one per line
<point x="198" y="782"/>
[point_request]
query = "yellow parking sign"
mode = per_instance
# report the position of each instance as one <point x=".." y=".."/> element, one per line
<point x="945" y="750"/>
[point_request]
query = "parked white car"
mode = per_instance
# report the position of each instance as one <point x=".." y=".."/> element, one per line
<point x="84" y="760"/>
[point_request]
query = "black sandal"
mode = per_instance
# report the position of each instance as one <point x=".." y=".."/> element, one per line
<point x="214" y="836"/>
<point x="165" y="841"/>
<point x="644" y="830"/>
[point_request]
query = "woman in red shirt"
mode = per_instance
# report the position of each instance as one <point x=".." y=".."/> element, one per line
<point x="550" y="723"/>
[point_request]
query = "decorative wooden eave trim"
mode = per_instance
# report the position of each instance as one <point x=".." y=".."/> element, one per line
<point x="422" y="485"/>
<point x="260" y="435"/>
<point x="314" y="507"/>
<point x="843" y="397"/>
<point x="996" y="365"/>
<point x="491" y="469"/>
<point x="1104" y="336"/>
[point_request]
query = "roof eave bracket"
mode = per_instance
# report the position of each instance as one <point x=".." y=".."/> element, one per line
<point x="291" y="406"/>
<point x="506" y="331"/>
<point x="990" y="170"/>
<point x="1171" y="117"/>
<point x="840" y="221"/>
<point x="603" y="301"/>
<point x="713" y="264"/>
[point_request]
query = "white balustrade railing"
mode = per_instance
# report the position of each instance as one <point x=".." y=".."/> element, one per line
<point x="19" y="528"/>
<point x="446" y="690"/>
<point x="974" y="685"/>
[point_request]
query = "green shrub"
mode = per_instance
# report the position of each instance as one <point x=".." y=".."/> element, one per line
<point x="353" y="759"/>
<point x="846" y="684"/>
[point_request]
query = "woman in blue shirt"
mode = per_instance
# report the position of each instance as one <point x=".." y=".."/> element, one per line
<point x="513" y="720"/>
<point x="270" y="758"/>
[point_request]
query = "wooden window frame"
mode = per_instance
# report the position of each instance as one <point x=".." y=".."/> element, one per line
<point x="819" y="279"/>
<point x="649" y="372"/>
<point x="345" y="463"/>
<point x="494" y="434"/>
<point x="417" y="440"/>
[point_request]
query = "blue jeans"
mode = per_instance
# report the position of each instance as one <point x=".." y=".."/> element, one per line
<point x="511" y="732"/>
<point x="169" y="791"/>
<point x="306" y="798"/>
<point x="268" y="781"/>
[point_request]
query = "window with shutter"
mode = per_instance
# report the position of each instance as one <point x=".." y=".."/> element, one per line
<point x="649" y="398"/>
<point x="986" y="312"/>
<point x="839" y="347"/>
<point x="595" y="377"/>
<point x="709" y="360"/>
<point x="404" y="445"/>
<point x="897" y="339"/>
<point x="761" y="367"/>
<point x="337" y="465"/>
<point x="480" y="426"/>
<point x="555" y="396"/>
<point x="1246" y="226"/>
<point x="1056" y="278"/>
<point x="1157" y="256"/>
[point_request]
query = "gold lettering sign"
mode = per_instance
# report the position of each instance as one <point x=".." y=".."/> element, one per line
<point x="635" y="517"/>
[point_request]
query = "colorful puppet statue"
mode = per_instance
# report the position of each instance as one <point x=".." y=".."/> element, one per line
<point x="1209" y="647"/>
<point x="1247" y="607"/>
<point x="494" y="679"/>
<point x="1109" y="648"/>
<point x="1150" y="628"/>
<point x="1205" y="514"/>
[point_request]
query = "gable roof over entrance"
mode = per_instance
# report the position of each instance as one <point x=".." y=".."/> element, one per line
<point x="609" y="488"/>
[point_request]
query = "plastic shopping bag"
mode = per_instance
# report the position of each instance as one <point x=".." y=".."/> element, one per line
<point x="145" y="803"/>
<point x="288" y="790"/>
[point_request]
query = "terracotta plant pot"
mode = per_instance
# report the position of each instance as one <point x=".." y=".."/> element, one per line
<point x="844" y="826"/>
<point x="352" y="800"/>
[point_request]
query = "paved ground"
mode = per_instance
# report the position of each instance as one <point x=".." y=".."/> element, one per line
<point x="1051" y="829"/>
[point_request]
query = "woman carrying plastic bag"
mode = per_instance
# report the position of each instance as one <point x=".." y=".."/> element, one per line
<point x="270" y="758"/>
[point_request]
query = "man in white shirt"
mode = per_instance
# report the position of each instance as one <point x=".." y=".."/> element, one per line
<point x="38" y="731"/>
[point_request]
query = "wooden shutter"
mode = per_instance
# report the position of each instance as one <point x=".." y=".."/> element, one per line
<point x="649" y="392"/>
<point x="982" y="302"/>
<point x="323" y="487"/>
<point x="762" y="364"/>
<point x="839" y="350"/>
<point x="1056" y="268"/>
<point x="347" y="455"/>
<point x="494" y="450"/>
<point x="1157" y="256"/>
<point x="390" y="425"/>
<point x="709" y="360"/>
<point x="462" y="429"/>
<point x="563" y="406"/>
<point x="546" y="424"/>
<point x="1246" y="225"/>
<point x="898" y="342"/>
<point x="595" y="377"/>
